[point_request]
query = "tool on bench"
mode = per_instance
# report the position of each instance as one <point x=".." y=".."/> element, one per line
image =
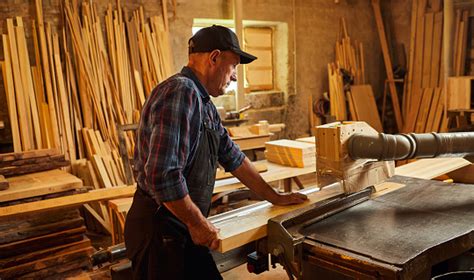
<point x="235" y="115"/>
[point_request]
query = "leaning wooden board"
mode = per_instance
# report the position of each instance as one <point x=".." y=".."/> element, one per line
<point x="40" y="183"/>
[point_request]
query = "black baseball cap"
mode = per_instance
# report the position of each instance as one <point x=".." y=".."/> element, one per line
<point x="218" y="37"/>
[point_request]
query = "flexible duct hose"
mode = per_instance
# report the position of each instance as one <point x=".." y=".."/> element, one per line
<point x="406" y="146"/>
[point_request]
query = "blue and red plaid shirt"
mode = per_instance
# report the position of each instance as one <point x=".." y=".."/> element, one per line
<point x="168" y="134"/>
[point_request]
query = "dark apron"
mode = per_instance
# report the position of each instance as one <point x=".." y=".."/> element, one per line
<point x="158" y="244"/>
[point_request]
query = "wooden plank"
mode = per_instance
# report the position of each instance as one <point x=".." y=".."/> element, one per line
<point x="28" y="83"/>
<point x="418" y="62"/>
<point x="10" y="94"/>
<point x="465" y="23"/>
<point x="9" y="236"/>
<point x="388" y="63"/>
<point x="365" y="106"/>
<point x="354" y="116"/>
<point x="17" y="271"/>
<point x="41" y="242"/>
<point x="431" y="167"/>
<point x="253" y="226"/>
<point x="36" y="255"/>
<point x="436" y="53"/>
<point x="25" y="127"/>
<point x="433" y="111"/>
<point x="29" y="154"/>
<point x="39" y="184"/>
<point x="47" y="74"/>
<point x="66" y="201"/>
<point x="463" y="175"/>
<point x="439" y="112"/>
<point x="33" y="165"/>
<point x="411" y="56"/>
<point x="64" y="106"/>
<point x="427" y="50"/>
<point x="100" y="168"/>
<point x="425" y="107"/>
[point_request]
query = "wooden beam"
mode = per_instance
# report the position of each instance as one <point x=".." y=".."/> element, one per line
<point x="47" y="73"/>
<point x="66" y="201"/>
<point x="10" y="94"/>
<point x="388" y="63"/>
<point x="25" y="127"/>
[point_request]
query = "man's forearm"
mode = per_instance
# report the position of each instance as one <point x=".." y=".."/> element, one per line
<point x="201" y="230"/>
<point x="186" y="211"/>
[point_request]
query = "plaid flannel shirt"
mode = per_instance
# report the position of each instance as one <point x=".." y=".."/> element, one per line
<point x="168" y="134"/>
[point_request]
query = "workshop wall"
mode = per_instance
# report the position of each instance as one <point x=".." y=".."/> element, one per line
<point x="316" y="25"/>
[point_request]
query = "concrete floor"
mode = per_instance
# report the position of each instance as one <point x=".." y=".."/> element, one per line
<point x="241" y="273"/>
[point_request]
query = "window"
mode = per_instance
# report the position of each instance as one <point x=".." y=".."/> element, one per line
<point x="259" y="74"/>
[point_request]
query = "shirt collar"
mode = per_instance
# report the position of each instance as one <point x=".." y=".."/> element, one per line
<point x="186" y="71"/>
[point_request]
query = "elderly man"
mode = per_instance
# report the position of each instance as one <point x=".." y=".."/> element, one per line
<point x="180" y="141"/>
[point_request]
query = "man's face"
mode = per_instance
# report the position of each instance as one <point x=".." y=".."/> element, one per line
<point x="224" y="71"/>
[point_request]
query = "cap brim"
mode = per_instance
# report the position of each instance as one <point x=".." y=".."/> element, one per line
<point x="245" y="58"/>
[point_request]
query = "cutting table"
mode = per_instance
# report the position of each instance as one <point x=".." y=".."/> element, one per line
<point x="399" y="235"/>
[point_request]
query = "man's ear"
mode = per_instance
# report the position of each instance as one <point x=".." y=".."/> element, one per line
<point x="214" y="55"/>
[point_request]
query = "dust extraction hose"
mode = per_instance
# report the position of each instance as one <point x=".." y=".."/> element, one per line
<point x="406" y="146"/>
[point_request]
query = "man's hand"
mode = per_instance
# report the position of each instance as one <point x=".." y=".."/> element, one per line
<point x="289" y="198"/>
<point x="202" y="231"/>
<point x="205" y="234"/>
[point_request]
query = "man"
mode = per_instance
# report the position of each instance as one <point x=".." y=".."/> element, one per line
<point x="180" y="140"/>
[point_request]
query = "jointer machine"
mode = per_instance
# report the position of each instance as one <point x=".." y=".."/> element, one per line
<point x="377" y="225"/>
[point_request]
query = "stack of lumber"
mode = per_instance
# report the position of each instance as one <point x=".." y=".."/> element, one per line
<point x="424" y="99"/>
<point x="107" y="162"/>
<point x="363" y="107"/>
<point x="349" y="60"/>
<point x="290" y="152"/>
<point x="40" y="246"/>
<point x="337" y="98"/>
<point x="82" y="78"/>
<point x="350" y="55"/>
<point x="14" y="164"/>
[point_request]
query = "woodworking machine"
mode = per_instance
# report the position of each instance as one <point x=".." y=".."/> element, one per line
<point x="415" y="232"/>
<point x="419" y="229"/>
